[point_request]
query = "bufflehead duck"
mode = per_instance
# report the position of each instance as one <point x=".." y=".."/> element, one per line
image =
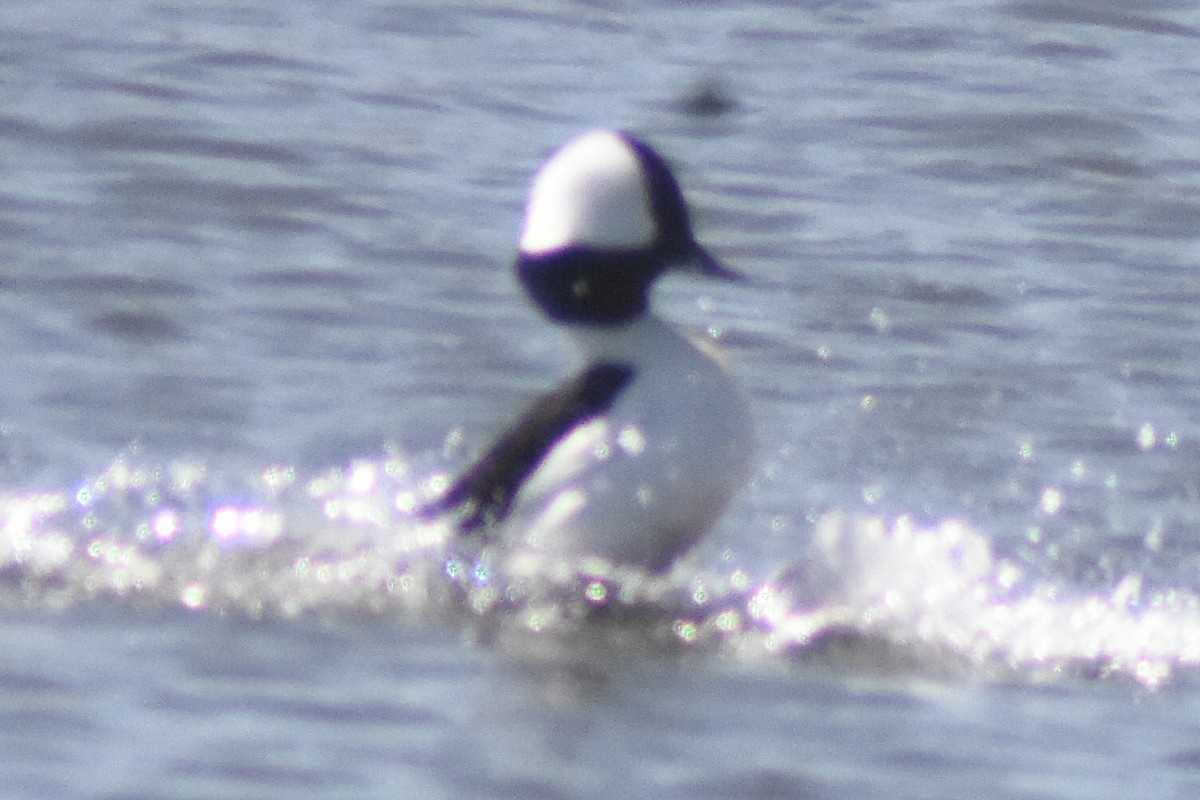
<point x="633" y="458"/>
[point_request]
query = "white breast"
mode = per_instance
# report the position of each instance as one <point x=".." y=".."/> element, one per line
<point x="641" y="483"/>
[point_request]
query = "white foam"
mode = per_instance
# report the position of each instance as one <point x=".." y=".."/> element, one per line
<point x="941" y="588"/>
<point x="346" y="540"/>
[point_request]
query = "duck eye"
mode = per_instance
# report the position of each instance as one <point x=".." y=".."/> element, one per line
<point x="580" y="288"/>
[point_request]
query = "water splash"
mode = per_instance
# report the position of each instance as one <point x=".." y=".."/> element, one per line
<point x="940" y="589"/>
<point x="172" y="535"/>
<point x="889" y="594"/>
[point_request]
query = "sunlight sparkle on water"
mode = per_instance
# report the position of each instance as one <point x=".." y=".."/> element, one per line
<point x="1052" y="500"/>
<point x="166" y="526"/>
<point x="361" y="478"/>
<point x="686" y="630"/>
<point x="596" y="593"/>
<point x="279" y="478"/>
<point x="1146" y="437"/>
<point x="232" y="523"/>
<point x="194" y="596"/>
<point x="21" y="542"/>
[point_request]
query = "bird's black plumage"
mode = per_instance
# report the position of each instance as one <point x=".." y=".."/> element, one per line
<point x="484" y="493"/>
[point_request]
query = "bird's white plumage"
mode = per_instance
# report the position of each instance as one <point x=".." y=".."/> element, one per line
<point x="642" y="482"/>
<point x="591" y="193"/>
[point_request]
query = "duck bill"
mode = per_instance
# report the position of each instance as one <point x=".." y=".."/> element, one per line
<point x="702" y="262"/>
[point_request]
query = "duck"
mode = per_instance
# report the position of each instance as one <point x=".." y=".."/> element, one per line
<point x="633" y="458"/>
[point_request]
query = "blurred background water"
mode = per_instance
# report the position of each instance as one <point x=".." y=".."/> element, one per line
<point x="255" y="300"/>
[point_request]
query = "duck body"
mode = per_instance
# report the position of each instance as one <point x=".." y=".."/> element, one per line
<point x="642" y="481"/>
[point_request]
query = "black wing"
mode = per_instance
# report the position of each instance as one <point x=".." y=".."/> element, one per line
<point x="483" y="494"/>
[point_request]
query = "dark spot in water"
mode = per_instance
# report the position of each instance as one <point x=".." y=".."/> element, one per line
<point x="710" y="97"/>
<point x="1185" y="759"/>
<point x="138" y="326"/>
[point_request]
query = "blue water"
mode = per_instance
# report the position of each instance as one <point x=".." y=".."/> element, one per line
<point x="256" y="302"/>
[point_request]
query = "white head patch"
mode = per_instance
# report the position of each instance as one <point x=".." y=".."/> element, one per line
<point x="592" y="193"/>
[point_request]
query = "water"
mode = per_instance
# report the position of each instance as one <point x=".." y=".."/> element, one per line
<point x="256" y="302"/>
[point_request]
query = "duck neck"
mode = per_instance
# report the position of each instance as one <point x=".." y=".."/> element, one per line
<point x="628" y="343"/>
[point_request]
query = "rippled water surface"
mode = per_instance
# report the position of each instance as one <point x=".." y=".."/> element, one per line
<point x="255" y="303"/>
